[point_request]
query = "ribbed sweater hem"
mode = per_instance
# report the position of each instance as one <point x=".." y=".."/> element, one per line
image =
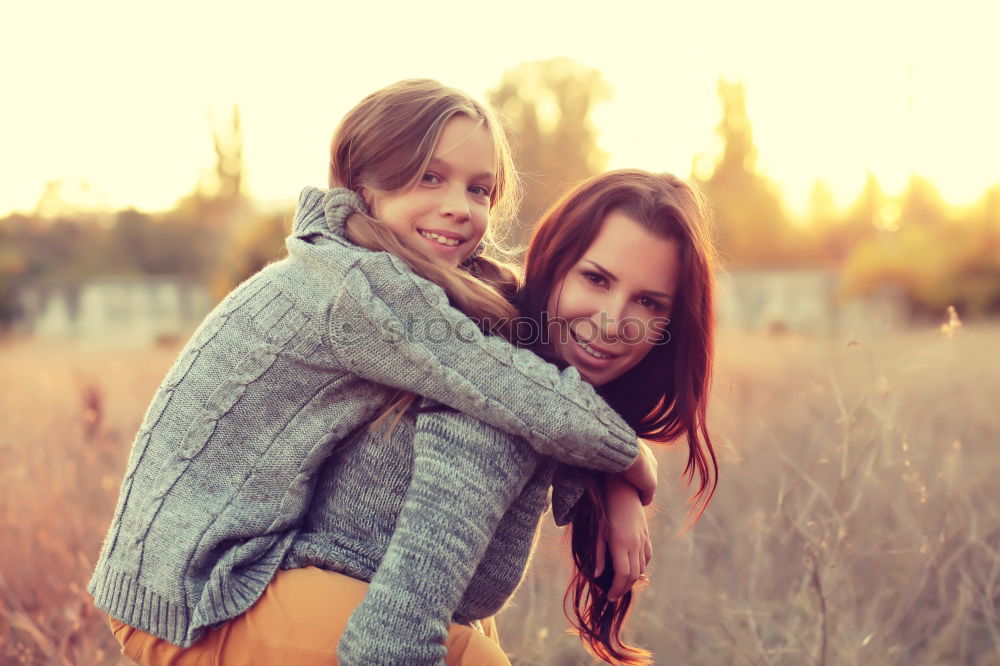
<point x="226" y="595"/>
<point x="122" y="596"/>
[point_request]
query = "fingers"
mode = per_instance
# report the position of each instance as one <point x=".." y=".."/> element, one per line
<point x="630" y="565"/>
<point x="623" y="574"/>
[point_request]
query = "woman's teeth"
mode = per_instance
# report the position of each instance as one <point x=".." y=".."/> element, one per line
<point x="452" y="242"/>
<point x="590" y="350"/>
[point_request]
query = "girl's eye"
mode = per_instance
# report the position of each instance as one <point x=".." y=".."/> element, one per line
<point x="479" y="191"/>
<point x="430" y="179"/>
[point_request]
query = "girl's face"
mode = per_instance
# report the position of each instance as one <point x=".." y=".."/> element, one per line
<point x="448" y="210"/>
<point x="613" y="305"/>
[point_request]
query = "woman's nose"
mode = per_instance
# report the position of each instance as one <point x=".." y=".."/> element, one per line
<point x="608" y="318"/>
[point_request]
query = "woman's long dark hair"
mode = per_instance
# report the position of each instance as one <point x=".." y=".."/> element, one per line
<point x="665" y="396"/>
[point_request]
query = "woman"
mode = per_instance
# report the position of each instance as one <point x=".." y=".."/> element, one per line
<point x="596" y="247"/>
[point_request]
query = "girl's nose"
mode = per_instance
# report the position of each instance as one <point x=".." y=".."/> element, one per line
<point x="455" y="204"/>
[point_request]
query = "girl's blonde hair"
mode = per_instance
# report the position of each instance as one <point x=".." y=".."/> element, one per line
<point x="384" y="144"/>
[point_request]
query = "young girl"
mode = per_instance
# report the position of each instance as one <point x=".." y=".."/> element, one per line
<point x="299" y="358"/>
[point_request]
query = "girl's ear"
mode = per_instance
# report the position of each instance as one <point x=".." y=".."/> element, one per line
<point x="368" y="197"/>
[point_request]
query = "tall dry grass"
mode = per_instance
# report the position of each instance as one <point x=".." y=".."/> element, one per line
<point x="856" y="520"/>
<point x="67" y="417"/>
<point x="853" y="523"/>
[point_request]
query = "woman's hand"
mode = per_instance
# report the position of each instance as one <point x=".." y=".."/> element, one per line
<point x="626" y="535"/>
<point x="642" y="474"/>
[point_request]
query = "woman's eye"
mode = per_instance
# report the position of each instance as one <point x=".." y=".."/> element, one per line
<point x="593" y="278"/>
<point x="649" y="303"/>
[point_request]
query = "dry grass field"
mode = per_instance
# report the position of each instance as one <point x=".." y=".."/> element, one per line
<point x="853" y="522"/>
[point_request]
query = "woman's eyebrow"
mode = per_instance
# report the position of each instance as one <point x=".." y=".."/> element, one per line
<point x="602" y="269"/>
<point x="647" y="292"/>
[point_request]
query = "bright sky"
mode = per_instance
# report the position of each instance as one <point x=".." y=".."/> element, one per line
<point x="119" y="93"/>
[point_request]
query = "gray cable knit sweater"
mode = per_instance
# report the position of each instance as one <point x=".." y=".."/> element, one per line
<point x="441" y="519"/>
<point x="224" y="466"/>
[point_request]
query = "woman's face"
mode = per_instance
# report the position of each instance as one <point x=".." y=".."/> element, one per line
<point x="613" y="305"/>
<point x="448" y="209"/>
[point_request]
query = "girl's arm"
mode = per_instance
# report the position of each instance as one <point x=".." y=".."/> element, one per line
<point x="569" y="484"/>
<point x="390" y="326"/>
<point x="465" y="476"/>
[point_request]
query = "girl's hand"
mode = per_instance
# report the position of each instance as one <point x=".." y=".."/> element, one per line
<point x="626" y="535"/>
<point x="642" y="474"/>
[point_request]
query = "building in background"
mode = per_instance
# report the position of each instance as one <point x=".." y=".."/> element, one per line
<point x="146" y="310"/>
<point x="802" y="301"/>
<point x="139" y="310"/>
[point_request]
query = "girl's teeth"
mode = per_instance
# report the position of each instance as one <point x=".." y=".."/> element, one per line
<point x="440" y="239"/>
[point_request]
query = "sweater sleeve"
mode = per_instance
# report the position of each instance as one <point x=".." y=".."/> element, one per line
<point x="568" y="486"/>
<point x="390" y="326"/>
<point x="465" y="476"/>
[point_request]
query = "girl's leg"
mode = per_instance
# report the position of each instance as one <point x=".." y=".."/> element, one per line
<point x="468" y="647"/>
<point x="298" y="621"/>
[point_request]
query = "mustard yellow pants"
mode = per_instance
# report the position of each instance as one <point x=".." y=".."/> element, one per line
<point x="297" y="622"/>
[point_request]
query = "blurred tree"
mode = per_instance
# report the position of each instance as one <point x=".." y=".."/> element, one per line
<point x="839" y="233"/>
<point x="219" y="199"/>
<point x="822" y="211"/>
<point x="921" y="204"/>
<point x="13" y="266"/>
<point x="228" y="142"/>
<point x="62" y="198"/>
<point x="933" y="257"/>
<point x="753" y="226"/>
<point x="979" y="268"/>
<point x="554" y="141"/>
<point x="868" y="211"/>
<point x="251" y="246"/>
<point x="988" y="208"/>
<point x="165" y="244"/>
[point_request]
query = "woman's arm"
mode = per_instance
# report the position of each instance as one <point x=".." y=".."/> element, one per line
<point x="625" y="534"/>
<point x="465" y="476"/>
